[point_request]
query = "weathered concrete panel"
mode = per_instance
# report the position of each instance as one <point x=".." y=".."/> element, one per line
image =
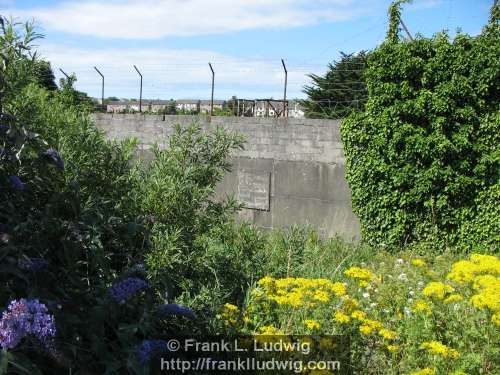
<point x="311" y="180"/>
<point x="330" y="219"/>
<point x="292" y="171"/>
<point x="254" y="189"/>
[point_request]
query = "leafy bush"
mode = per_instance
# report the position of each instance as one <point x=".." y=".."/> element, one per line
<point x="194" y="249"/>
<point x="97" y="247"/>
<point x="422" y="158"/>
<point x="408" y="315"/>
<point x="22" y="69"/>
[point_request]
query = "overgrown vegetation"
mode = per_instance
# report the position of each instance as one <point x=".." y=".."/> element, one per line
<point x="102" y="258"/>
<point x="403" y="315"/>
<point x="422" y="157"/>
<point x="83" y="230"/>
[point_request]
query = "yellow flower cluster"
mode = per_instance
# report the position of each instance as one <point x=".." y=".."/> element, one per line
<point x="368" y="326"/>
<point x="363" y="275"/>
<point x="358" y="315"/>
<point x="453" y="298"/>
<point x="422" y="306"/>
<point x="312" y="324"/>
<point x="297" y="292"/>
<point x="488" y="295"/>
<point x="387" y="334"/>
<point x="393" y="348"/>
<point x="341" y="318"/>
<point x="425" y="371"/>
<point x="349" y="304"/>
<point x="438" y="348"/>
<point x="437" y="289"/>
<point x="483" y="271"/>
<point x="270" y="330"/>
<point x="229" y="314"/>
<point x="418" y="262"/>
<point x="466" y="270"/>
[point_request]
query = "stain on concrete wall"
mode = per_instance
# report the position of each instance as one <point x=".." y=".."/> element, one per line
<point x="292" y="171"/>
<point x="254" y="189"/>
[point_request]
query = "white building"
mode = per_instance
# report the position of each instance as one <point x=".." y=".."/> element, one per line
<point x="256" y="108"/>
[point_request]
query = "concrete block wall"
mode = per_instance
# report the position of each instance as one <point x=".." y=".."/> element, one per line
<point x="292" y="171"/>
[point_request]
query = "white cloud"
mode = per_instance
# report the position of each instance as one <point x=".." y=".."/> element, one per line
<point x="152" y="19"/>
<point x="172" y="73"/>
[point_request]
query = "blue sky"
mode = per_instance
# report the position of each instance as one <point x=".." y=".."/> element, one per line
<point x="171" y="41"/>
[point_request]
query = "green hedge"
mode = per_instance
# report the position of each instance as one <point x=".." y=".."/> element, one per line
<point x="423" y="158"/>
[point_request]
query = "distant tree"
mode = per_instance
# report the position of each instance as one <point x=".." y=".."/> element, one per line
<point x="232" y="105"/>
<point x="112" y="99"/>
<point x="170" y="108"/>
<point x="45" y="75"/>
<point x="72" y="96"/>
<point x="340" y="90"/>
<point x="224" y="111"/>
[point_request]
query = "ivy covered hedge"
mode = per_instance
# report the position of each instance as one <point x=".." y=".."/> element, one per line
<point x="423" y="158"/>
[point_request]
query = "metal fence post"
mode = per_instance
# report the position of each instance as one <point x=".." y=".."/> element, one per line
<point x="213" y="83"/>
<point x="285" y="105"/>
<point x="405" y="28"/>
<point x="140" y="93"/>
<point x="102" y="92"/>
<point x="63" y="72"/>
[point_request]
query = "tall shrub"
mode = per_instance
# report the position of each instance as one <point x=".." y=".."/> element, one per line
<point x="422" y="157"/>
<point x="189" y="228"/>
<point x="93" y="250"/>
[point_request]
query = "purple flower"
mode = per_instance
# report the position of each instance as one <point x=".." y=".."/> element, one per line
<point x="56" y="158"/>
<point x="173" y="309"/>
<point x="33" y="264"/>
<point x="16" y="183"/>
<point x="151" y="348"/>
<point x="26" y="318"/>
<point x="123" y="290"/>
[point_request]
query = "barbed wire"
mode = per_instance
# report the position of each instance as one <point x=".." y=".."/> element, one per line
<point x="327" y="102"/>
<point x="260" y="72"/>
<point x="175" y="81"/>
<point x="221" y="68"/>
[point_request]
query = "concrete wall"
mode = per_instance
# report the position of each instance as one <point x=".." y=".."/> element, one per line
<point x="292" y="171"/>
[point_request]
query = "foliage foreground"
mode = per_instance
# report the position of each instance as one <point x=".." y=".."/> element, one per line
<point x="408" y="315"/>
<point x="101" y="259"/>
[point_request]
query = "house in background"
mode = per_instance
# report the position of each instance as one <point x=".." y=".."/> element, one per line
<point x="159" y="106"/>
<point x="188" y="105"/>
<point x="295" y="110"/>
<point x="274" y="108"/>
<point x="125" y="106"/>
<point x="205" y="105"/>
<point x="248" y="108"/>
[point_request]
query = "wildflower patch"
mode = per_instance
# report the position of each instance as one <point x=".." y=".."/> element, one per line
<point x="442" y="317"/>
